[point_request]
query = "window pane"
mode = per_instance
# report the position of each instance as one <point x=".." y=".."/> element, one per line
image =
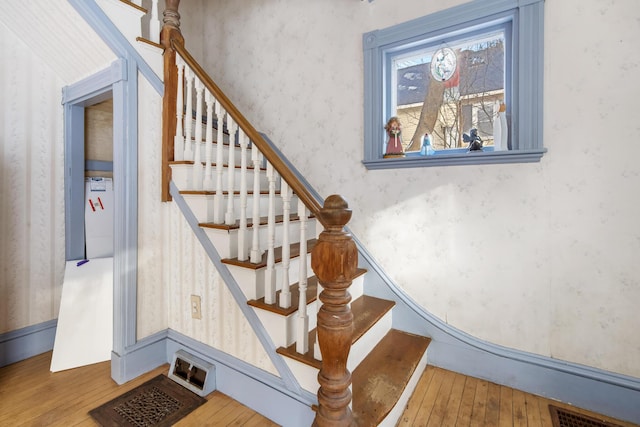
<point x="445" y="90"/>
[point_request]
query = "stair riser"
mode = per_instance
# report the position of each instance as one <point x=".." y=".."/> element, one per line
<point x="252" y="281"/>
<point x="203" y="206"/>
<point x="125" y="17"/>
<point x="182" y="176"/>
<point x="226" y="241"/>
<point x="283" y="329"/>
<point x="214" y="150"/>
<point x="152" y="55"/>
<point x="361" y="348"/>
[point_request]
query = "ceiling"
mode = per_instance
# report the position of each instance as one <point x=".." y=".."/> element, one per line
<point x="57" y="34"/>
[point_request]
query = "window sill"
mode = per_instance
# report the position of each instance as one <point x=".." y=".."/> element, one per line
<point x="415" y="160"/>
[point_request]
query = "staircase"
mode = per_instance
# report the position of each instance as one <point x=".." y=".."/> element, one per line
<point x="269" y="230"/>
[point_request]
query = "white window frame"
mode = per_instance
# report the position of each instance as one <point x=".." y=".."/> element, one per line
<point x="524" y="109"/>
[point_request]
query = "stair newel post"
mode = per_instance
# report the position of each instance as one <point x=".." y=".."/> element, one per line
<point x="232" y="127"/>
<point x="256" y="253"/>
<point x="208" y="151"/>
<point x="219" y="197"/>
<point x="242" y="231"/>
<point x="170" y="31"/>
<point x="285" y="292"/>
<point x="188" y="122"/>
<point x="334" y="260"/>
<point x="302" y="338"/>
<point x="270" y="273"/>
<point x="197" y="144"/>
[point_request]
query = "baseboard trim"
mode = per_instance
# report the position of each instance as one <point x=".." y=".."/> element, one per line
<point x="608" y="393"/>
<point x="243" y="382"/>
<point x="146" y="354"/>
<point x="249" y="385"/>
<point x="27" y="342"/>
<point x="603" y="392"/>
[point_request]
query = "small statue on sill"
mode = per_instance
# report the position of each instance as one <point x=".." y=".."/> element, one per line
<point x="474" y="140"/>
<point x="394" y="138"/>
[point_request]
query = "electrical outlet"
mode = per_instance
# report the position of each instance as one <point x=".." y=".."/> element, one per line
<point x="196" y="312"/>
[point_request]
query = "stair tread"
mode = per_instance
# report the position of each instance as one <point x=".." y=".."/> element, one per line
<point x="225" y="192"/>
<point x="312" y="289"/>
<point x="294" y="252"/>
<point x="380" y="379"/>
<point x="312" y="294"/>
<point x="367" y="310"/>
<point x="149" y="42"/>
<point x="263" y="221"/>
<point x="213" y="164"/>
<point x="135" y="6"/>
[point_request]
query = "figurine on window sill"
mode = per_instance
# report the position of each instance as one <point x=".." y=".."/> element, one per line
<point x="474" y="140"/>
<point x="394" y="138"/>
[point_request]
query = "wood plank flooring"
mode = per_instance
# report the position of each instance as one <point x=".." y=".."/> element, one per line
<point x="30" y="395"/>
<point x="447" y="399"/>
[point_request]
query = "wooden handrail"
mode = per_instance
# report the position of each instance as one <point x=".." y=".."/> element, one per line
<point x="298" y="187"/>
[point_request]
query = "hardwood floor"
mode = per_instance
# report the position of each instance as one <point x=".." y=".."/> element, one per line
<point x="444" y="398"/>
<point x="30" y="395"/>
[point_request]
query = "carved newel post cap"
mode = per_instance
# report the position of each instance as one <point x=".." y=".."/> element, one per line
<point x="336" y="213"/>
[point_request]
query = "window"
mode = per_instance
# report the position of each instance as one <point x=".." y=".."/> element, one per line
<point x="449" y="78"/>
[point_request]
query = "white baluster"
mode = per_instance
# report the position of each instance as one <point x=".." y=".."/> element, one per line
<point x="197" y="145"/>
<point x="285" y="293"/>
<point x="256" y="253"/>
<point x="208" y="152"/>
<point x="229" y="218"/>
<point x="188" y="120"/>
<point x="302" y="339"/>
<point x="270" y="274"/>
<point x="242" y="232"/>
<point x="219" y="197"/>
<point x="178" y="140"/>
<point x="154" y="23"/>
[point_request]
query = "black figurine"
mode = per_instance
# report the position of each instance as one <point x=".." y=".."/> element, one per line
<point x="474" y="140"/>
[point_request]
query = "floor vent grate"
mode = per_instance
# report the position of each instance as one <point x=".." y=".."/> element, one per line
<point x="564" y="418"/>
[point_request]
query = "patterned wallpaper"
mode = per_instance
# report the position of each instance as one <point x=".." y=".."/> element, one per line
<point x="172" y="265"/>
<point x="31" y="187"/>
<point x="537" y="257"/>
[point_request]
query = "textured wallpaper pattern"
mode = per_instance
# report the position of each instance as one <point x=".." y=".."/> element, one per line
<point x="172" y="265"/>
<point x="537" y="257"/>
<point x="31" y="188"/>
